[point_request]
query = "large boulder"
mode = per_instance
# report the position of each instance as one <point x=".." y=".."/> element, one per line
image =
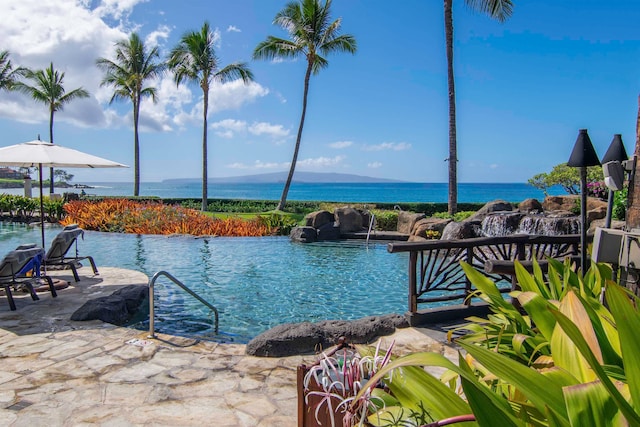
<point x="561" y="203"/>
<point x="489" y="208"/>
<point x="570" y="203"/>
<point x="304" y="338"/>
<point x="406" y="221"/>
<point x="596" y="213"/>
<point x="423" y="225"/>
<point x="303" y="235"/>
<point x="349" y="219"/>
<point x="318" y="218"/>
<point x="117" y="308"/>
<point x="329" y="231"/>
<point x="461" y="230"/>
<point x="530" y="206"/>
<point x="615" y="224"/>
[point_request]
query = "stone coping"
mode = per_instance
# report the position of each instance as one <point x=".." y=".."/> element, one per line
<point x="57" y="372"/>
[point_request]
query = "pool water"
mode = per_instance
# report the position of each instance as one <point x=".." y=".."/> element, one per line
<point x="255" y="283"/>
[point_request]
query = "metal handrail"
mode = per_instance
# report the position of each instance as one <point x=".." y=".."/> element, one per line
<point x="152" y="281"/>
<point x="372" y="220"/>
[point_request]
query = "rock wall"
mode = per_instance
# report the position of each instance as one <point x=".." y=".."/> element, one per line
<point x="554" y="216"/>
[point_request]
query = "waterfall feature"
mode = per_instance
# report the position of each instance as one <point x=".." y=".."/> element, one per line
<point x="503" y="224"/>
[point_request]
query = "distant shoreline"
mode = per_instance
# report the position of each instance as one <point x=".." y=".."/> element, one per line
<point x="329" y="192"/>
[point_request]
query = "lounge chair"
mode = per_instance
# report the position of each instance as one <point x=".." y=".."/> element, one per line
<point x="15" y="268"/>
<point x="57" y="253"/>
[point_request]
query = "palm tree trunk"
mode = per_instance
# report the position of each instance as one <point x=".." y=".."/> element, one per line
<point x="453" y="151"/>
<point x="285" y="191"/>
<point x="136" y="148"/>
<point x="633" y="211"/>
<point x="51" y="112"/>
<point x="204" y="151"/>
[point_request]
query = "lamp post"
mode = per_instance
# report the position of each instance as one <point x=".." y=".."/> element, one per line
<point x="616" y="154"/>
<point x="583" y="156"/>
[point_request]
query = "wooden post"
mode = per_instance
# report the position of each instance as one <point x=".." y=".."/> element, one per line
<point x="413" y="281"/>
<point x="633" y="197"/>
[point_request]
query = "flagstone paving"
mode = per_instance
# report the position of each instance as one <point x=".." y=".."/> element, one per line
<point x="58" y="372"/>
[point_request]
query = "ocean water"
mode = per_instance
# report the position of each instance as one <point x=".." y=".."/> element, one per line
<point x="329" y="192"/>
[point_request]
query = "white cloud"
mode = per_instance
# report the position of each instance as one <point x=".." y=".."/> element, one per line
<point x="493" y="166"/>
<point x="321" y="162"/>
<point x="115" y="8"/>
<point x="276" y="131"/>
<point x="259" y="164"/>
<point x="162" y="32"/>
<point x="315" y="163"/>
<point x="395" y="146"/>
<point x="227" y="128"/>
<point x="233" y="95"/>
<point x="74" y="33"/>
<point x="341" y="144"/>
<point x="70" y="34"/>
<point x="234" y="29"/>
<point x="374" y="165"/>
<point x="234" y="125"/>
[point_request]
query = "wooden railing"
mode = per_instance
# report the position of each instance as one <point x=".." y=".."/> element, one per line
<point x="435" y="274"/>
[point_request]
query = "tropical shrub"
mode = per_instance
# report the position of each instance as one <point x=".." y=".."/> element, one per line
<point x="24" y="207"/>
<point x="8" y="204"/>
<point x="54" y="209"/>
<point x="126" y="216"/>
<point x="385" y="220"/>
<point x="277" y="223"/>
<point x="457" y="217"/>
<point x="567" y="359"/>
<point x="620" y="204"/>
<point x="597" y="189"/>
<point x="565" y="176"/>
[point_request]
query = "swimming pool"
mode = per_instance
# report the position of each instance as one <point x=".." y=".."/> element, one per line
<point x="255" y="283"/>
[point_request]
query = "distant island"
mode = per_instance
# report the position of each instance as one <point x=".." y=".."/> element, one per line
<point x="281" y="177"/>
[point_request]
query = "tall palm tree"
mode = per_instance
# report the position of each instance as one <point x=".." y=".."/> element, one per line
<point x="48" y="89"/>
<point x="313" y="35"/>
<point x="194" y="59"/>
<point x="496" y="9"/>
<point x="8" y="74"/>
<point x="134" y="64"/>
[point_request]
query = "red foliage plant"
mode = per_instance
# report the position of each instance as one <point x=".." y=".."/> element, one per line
<point x="127" y="216"/>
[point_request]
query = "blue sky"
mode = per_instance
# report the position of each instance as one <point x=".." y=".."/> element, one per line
<point x="524" y="88"/>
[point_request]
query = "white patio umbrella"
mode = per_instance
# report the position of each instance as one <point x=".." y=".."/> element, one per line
<point x="44" y="154"/>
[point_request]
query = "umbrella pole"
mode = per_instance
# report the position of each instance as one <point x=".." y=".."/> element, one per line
<point x="41" y="205"/>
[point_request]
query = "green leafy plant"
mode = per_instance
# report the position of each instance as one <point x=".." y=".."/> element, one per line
<point x="620" y="204"/>
<point x="25" y="207"/>
<point x="458" y="216"/>
<point x="54" y="209"/>
<point x="566" y="359"/>
<point x="278" y="223"/>
<point x="566" y="177"/>
<point x="385" y="220"/>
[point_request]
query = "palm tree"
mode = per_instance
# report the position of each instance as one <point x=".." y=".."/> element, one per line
<point x="134" y="64"/>
<point x="194" y="59"/>
<point x="9" y="75"/>
<point x="48" y="89"/>
<point x="496" y="9"/>
<point x="313" y="35"/>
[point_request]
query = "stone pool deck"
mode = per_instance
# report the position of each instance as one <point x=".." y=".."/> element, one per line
<point x="58" y="372"/>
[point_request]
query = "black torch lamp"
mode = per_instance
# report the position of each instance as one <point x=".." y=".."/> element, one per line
<point x="583" y="156"/>
<point x="613" y="171"/>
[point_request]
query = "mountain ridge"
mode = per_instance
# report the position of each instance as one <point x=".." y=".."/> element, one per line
<point x="281" y="177"/>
